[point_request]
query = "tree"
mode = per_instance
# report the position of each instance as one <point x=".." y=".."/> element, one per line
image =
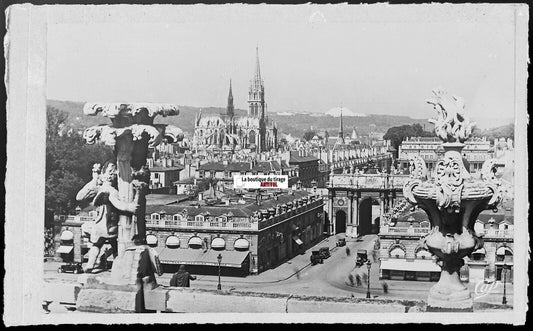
<point x="397" y="134"/>
<point x="68" y="163"/>
<point x="308" y="135"/>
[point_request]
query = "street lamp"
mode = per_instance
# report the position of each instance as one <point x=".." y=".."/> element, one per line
<point x="368" y="265"/>
<point x="504" y="270"/>
<point x="219" y="258"/>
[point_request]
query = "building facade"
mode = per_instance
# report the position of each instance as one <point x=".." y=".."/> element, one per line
<point x="402" y="257"/>
<point x="251" y="235"/>
<point x="476" y="151"/>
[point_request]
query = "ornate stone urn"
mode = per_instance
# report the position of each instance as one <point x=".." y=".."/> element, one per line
<point x="452" y="199"/>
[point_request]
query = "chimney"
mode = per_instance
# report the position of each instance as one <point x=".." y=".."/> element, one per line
<point x="200" y="196"/>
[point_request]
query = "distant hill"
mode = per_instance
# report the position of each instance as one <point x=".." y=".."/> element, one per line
<point x="294" y="123"/>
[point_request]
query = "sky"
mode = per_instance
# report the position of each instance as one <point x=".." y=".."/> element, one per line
<point x="312" y="59"/>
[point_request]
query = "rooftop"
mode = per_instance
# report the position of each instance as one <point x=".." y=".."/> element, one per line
<point x="239" y="210"/>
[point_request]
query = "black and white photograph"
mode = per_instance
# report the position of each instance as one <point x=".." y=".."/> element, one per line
<point x="222" y="163"/>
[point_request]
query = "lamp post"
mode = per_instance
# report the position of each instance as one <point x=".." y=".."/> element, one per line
<point x="368" y="265"/>
<point x="219" y="258"/>
<point x="504" y="300"/>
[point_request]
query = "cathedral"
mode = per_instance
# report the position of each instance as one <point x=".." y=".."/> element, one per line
<point x="227" y="132"/>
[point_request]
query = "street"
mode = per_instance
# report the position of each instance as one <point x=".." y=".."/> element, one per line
<point x="299" y="277"/>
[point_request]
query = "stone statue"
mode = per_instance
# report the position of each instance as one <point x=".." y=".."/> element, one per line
<point x="103" y="194"/>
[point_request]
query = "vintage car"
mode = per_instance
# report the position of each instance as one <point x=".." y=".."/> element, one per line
<point x="74" y="267"/>
<point x="316" y="258"/>
<point x="362" y="257"/>
<point x="341" y="242"/>
<point x="324" y="252"/>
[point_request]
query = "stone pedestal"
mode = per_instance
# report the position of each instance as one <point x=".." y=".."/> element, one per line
<point x="131" y="276"/>
<point x="449" y="294"/>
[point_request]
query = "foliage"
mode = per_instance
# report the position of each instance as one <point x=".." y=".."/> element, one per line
<point x="397" y="134"/>
<point x="68" y="162"/>
<point x="308" y="135"/>
<point x="504" y="131"/>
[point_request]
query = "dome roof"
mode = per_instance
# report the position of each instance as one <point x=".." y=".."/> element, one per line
<point x="173" y="241"/>
<point x="218" y="243"/>
<point x="241" y="243"/>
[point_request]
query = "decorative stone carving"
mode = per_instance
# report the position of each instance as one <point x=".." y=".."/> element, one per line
<point x="131" y="132"/>
<point x="451" y="124"/>
<point x="453" y="201"/>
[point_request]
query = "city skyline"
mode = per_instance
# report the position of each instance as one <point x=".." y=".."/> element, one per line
<point x="306" y="66"/>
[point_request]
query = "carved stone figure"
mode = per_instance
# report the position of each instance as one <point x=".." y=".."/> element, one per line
<point x="103" y="194"/>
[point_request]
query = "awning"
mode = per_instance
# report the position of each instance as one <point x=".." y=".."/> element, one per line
<point x="232" y="259"/>
<point x="64" y="249"/>
<point x="395" y="264"/>
<point x="297" y="240"/>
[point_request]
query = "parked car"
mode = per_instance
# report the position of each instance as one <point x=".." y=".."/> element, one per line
<point x="74" y="267"/>
<point x="362" y="257"/>
<point x="324" y="252"/>
<point x="341" y="242"/>
<point x="316" y="258"/>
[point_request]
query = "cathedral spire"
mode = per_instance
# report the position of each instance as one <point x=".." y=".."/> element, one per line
<point x="257" y="76"/>
<point x="230" y="110"/>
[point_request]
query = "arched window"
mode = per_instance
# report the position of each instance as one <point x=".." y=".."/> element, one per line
<point x="151" y="240"/>
<point x="504" y="254"/>
<point x="241" y="244"/>
<point x="155" y="216"/>
<point x="199" y="218"/>
<point x="478" y="255"/>
<point x="173" y="241"/>
<point x="195" y="242"/>
<point x="67" y="235"/>
<point x="423" y="254"/>
<point x="177" y="217"/>
<point x="251" y="137"/>
<point x="397" y="252"/>
<point x="218" y="243"/>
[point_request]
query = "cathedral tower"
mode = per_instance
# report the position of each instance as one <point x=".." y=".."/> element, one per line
<point x="256" y="93"/>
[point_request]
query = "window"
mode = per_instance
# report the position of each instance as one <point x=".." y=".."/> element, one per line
<point x="177" y="217"/>
<point x="199" y="218"/>
<point x="156" y="175"/>
<point x="423" y="254"/>
<point x="155" y="216"/>
<point x="397" y="252"/>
